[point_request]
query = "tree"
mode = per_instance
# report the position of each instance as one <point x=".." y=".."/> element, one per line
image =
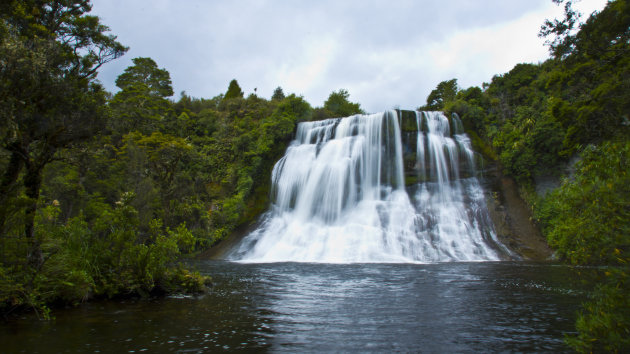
<point x="606" y="35"/>
<point x="141" y="104"/>
<point x="562" y="30"/>
<point x="278" y="94"/>
<point x="161" y="157"/>
<point x="145" y="72"/>
<point x="443" y="93"/>
<point x="234" y="91"/>
<point x="338" y="104"/>
<point x="51" y="51"/>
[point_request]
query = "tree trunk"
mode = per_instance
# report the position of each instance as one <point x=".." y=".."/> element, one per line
<point x="7" y="186"/>
<point x="32" y="184"/>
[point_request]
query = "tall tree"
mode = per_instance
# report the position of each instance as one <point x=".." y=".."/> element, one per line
<point x="145" y="71"/>
<point x="51" y="51"/>
<point x="233" y="91"/>
<point x="562" y="30"/>
<point x="443" y="93"/>
<point x="278" y="94"/>
<point x="339" y="105"/>
<point x="142" y="102"/>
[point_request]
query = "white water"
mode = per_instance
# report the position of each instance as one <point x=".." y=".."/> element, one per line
<point x="339" y="196"/>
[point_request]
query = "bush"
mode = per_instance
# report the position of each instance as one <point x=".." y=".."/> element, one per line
<point x="604" y="324"/>
<point x="587" y="219"/>
<point x="108" y="258"/>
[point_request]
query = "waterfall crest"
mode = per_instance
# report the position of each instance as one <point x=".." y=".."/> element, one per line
<point x="340" y="195"/>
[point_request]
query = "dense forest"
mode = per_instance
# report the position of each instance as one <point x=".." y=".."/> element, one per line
<point x="102" y="195"/>
<point x="561" y="129"/>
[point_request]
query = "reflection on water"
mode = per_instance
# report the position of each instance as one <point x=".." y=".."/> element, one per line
<point x="297" y="307"/>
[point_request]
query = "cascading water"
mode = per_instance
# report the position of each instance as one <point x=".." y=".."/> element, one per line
<point x="339" y="196"/>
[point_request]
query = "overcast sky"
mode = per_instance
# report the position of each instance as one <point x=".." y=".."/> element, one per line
<point x="386" y="53"/>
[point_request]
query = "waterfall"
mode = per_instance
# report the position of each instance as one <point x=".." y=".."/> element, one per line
<point x="340" y="195"/>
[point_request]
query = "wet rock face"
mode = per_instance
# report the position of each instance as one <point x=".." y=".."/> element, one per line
<point x="512" y="217"/>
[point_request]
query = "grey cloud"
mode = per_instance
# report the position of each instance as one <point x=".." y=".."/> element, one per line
<point x="204" y="44"/>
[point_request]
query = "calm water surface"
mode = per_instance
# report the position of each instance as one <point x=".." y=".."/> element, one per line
<point x="301" y="307"/>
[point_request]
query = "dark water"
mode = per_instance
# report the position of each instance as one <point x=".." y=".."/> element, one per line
<point x="295" y="307"/>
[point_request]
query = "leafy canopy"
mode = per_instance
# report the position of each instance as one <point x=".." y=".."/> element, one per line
<point x="146" y="72"/>
<point x="278" y="94"/>
<point x="50" y="53"/>
<point x="233" y="91"/>
<point x="338" y="104"/>
<point x="443" y="93"/>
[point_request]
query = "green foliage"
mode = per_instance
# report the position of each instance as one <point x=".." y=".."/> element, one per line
<point x="112" y="257"/>
<point x="444" y="92"/>
<point x="144" y="71"/>
<point x="338" y="105"/>
<point x="49" y="97"/>
<point x="246" y="145"/>
<point x="278" y="94"/>
<point x="194" y="105"/>
<point x="141" y="105"/>
<point x="112" y="211"/>
<point x="81" y="39"/>
<point x="87" y="212"/>
<point x="561" y="30"/>
<point x="604" y="323"/>
<point x="587" y="219"/>
<point x="538" y="117"/>
<point x="233" y="91"/>
<point x="164" y="153"/>
<point x="105" y="257"/>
